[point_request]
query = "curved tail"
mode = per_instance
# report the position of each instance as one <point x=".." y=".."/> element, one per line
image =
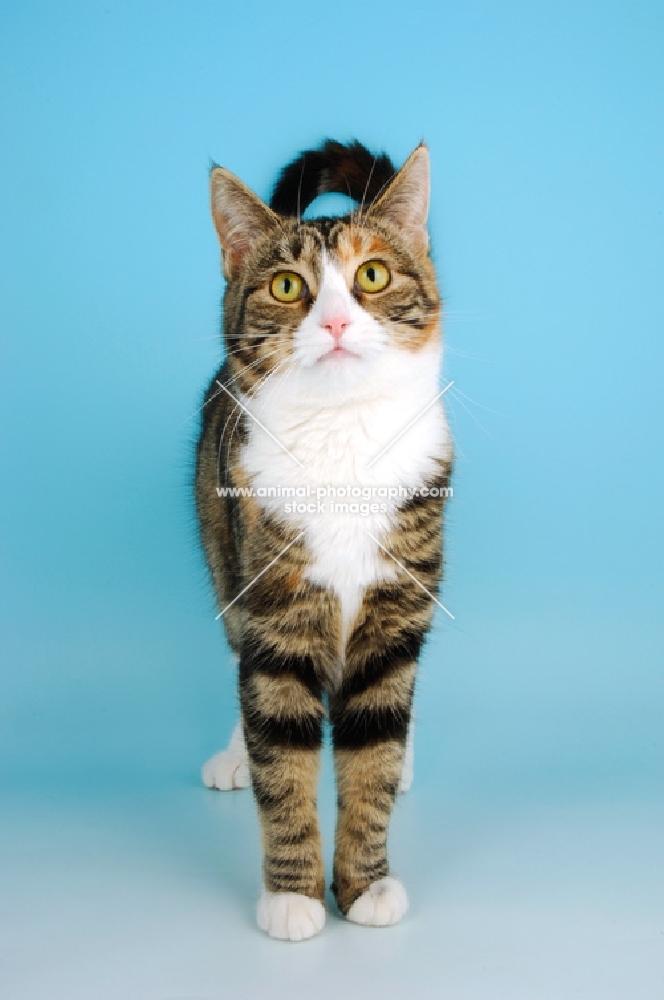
<point x="334" y="167"/>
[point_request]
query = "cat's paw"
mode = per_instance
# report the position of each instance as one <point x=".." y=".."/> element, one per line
<point x="226" y="771"/>
<point x="290" y="916"/>
<point x="383" y="903"/>
<point x="229" y="768"/>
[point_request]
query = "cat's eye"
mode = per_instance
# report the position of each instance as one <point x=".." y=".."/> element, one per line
<point x="372" y="276"/>
<point x="287" y="286"/>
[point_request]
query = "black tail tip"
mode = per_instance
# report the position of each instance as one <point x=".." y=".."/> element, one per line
<point x="343" y="168"/>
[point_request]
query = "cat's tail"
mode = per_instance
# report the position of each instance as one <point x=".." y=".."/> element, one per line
<point x="334" y="167"/>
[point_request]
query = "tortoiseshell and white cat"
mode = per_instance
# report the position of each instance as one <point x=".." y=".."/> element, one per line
<point x="333" y="344"/>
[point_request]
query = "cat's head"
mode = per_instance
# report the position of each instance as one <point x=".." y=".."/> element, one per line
<point x="328" y="301"/>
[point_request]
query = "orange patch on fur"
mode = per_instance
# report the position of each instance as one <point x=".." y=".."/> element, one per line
<point x="377" y="246"/>
<point x="293" y="579"/>
<point x="356" y="244"/>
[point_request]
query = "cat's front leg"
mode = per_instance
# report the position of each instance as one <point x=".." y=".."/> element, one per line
<point x="370" y="716"/>
<point x="282" y="714"/>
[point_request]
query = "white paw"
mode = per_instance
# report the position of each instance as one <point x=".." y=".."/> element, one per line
<point x="383" y="903"/>
<point x="225" y="771"/>
<point x="229" y="768"/>
<point x="290" y="916"/>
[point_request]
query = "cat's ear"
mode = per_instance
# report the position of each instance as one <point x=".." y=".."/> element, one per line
<point x="240" y="218"/>
<point x="405" y="202"/>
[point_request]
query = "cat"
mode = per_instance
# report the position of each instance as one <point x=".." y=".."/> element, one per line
<point x="329" y="390"/>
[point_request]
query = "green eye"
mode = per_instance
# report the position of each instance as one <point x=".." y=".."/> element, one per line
<point x="287" y="286"/>
<point x="372" y="276"/>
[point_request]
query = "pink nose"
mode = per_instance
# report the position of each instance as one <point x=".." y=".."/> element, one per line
<point x="335" y="326"/>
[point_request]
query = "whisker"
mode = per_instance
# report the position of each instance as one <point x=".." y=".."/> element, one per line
<point x="352" y="231"/>
<point x="201" y="407"/>
<point x="366" y="188"/>
<point x="261" y="383"/>
<point x="471" y="400"/>
<point x="470" y="414"/>
<point x="279" y="222"/>
<point x="469" y="355"/>
<point x="253" y="336"/>
<point x="221" y="441"/>
<point x="237" y="350"/>
<point x="230" y="382"/>
<point x="458" y="450"/>
<point x="383" y="186"/>
<point x="288" y="371"/>
<point x="468" y="314"/>
<point x="253" y="364"/>
<point x="299" y="195"/>
<point x="264" y="378"/>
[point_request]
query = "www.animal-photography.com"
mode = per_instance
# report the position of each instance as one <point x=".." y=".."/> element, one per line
<point x="332" y="544"/>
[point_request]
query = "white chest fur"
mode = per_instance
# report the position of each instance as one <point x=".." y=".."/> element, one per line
<point x="336" y="441"/>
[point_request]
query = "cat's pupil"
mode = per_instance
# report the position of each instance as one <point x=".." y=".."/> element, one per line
<point x="371" y="274"/>
<point x="287" y="285"/>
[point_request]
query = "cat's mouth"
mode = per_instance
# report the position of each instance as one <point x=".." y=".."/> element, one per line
<point x="338" y="353"/>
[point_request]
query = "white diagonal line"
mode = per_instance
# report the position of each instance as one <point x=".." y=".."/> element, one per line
<point x="413" y="578"/>
<point x="258" y="576"/>
<point x="414" y="420"/>
<point x="262" y="426"/>
<point x="201" y="407"/>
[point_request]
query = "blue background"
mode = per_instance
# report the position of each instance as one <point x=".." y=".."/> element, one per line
<point x="532" y="837"/>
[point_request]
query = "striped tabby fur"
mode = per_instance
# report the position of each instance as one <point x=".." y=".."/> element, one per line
<point x="312" y="640"/>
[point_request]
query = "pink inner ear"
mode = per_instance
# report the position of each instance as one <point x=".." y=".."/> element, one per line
<point x="240" y="217"/>
<point x="406" y="201"/>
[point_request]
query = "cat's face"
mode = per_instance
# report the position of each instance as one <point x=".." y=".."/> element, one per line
<point x="326" y="299"/>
